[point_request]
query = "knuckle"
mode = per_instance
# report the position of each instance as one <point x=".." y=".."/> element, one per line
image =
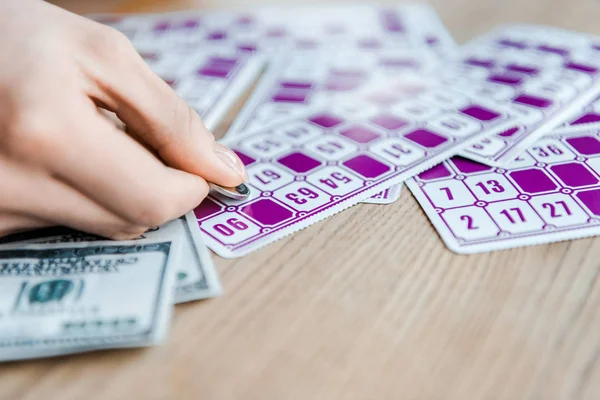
<point x="155" y="213"/>
<point x="31" y="136"/>
<point x="108" y="42"/>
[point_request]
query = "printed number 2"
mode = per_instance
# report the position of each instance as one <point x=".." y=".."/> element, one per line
<point x="470" y="224"/>
<point x="233" y="224"/>
<point x="553" y="209"/>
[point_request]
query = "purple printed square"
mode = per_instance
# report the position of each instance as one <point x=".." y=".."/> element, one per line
<point x="207" y="208"/>
<point x="523" y="69"/>
<point x="223" y="60"/>
<point x="162" y="27"/>
<point x="246" y="47"/>
<point x="216" y="35"/>
<point x="512" y="43"/>
<point x="506" y="79"/>
<point x="585" y="145"/>
<point x="359" y="134"/>
<point x="169" y="81"/>
<point x="366" y="166"/>
<point x="267" y="212"/>
<point x="437" y="172"/>
<point x="342" y="85"/>
<point x="509" y="132"/>
<point x="307" y="43"/>
<point x="388" y="121"/>
<point x="299" y="162"/>
<point x="477" y="62"/>
<point x="398" y="63"/>
<point x="392" y="22"/>
<point x="480" y="113"/>
<point x="426" y="138"/>
<point x="295" y="85"/>
<point x="246" y="160"/>
<point x="245" y="20"/>
<point x="191" y="24"/>
<point x="591" y="199"/>
<point x="149" y="56"/>
<point x="554" y="50"/>
<point x="348" y="73"/>
<point x="432" y="41"/>
<point x="574" y="174"/>
<point x="369" y="43"/>
<point x="586" y="69"/>
<point x="325" y="120"/>
<point x="276" y="32"/>
<point x="533" y="180"/>
<point x="215" y="70"/>
<point x="467" y="166"/>
<point x="587" y="119"/>
<point x="533" y="101"/>
<point x="290" y="96"/>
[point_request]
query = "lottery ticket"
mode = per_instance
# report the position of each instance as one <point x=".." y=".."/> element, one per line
<point x="311" y="167"/>
<point x="550" y="193"/>
<point x="541" y="75"/>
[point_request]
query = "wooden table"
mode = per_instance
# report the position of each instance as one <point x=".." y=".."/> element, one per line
<point x="368" y="304"/>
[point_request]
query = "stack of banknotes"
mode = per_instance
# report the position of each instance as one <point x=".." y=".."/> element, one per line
<point x="65" y="292"/>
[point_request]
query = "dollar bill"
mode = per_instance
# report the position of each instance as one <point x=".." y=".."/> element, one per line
<point x="196" y="276"/>
<point x="76" y="297"/>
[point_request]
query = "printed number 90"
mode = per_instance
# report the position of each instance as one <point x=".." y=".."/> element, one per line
<point x="233" y="224"/>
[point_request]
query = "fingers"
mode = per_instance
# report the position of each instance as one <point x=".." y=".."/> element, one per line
<point x="121" y="175"/>
<point x="123" y="83"/>
<point x="41" y="200"/>
<point x="14" y="223"/>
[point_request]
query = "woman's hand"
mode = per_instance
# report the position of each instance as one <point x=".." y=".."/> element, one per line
<point x="62" y="162"/>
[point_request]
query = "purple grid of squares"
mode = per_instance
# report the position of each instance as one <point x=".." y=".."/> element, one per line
<point x="271" y="212"/>
<point x="577" y="177"/>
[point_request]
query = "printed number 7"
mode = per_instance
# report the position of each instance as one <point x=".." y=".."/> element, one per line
<point x="448" y="193"/>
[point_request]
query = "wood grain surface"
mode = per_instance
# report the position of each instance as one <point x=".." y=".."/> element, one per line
<point x="368" y="304"/>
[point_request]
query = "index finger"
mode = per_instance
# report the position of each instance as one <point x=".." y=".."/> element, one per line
<point x="154" y="113"/>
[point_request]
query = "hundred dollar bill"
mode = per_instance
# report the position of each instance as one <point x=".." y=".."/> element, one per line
<point x="78" y="297"/>
<point x="196" y="276"/>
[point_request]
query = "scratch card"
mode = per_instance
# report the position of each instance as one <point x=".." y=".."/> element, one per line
<point x="548" y="194"/>
<point x="541" y="75"/>
<point x="307" y="169"/>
